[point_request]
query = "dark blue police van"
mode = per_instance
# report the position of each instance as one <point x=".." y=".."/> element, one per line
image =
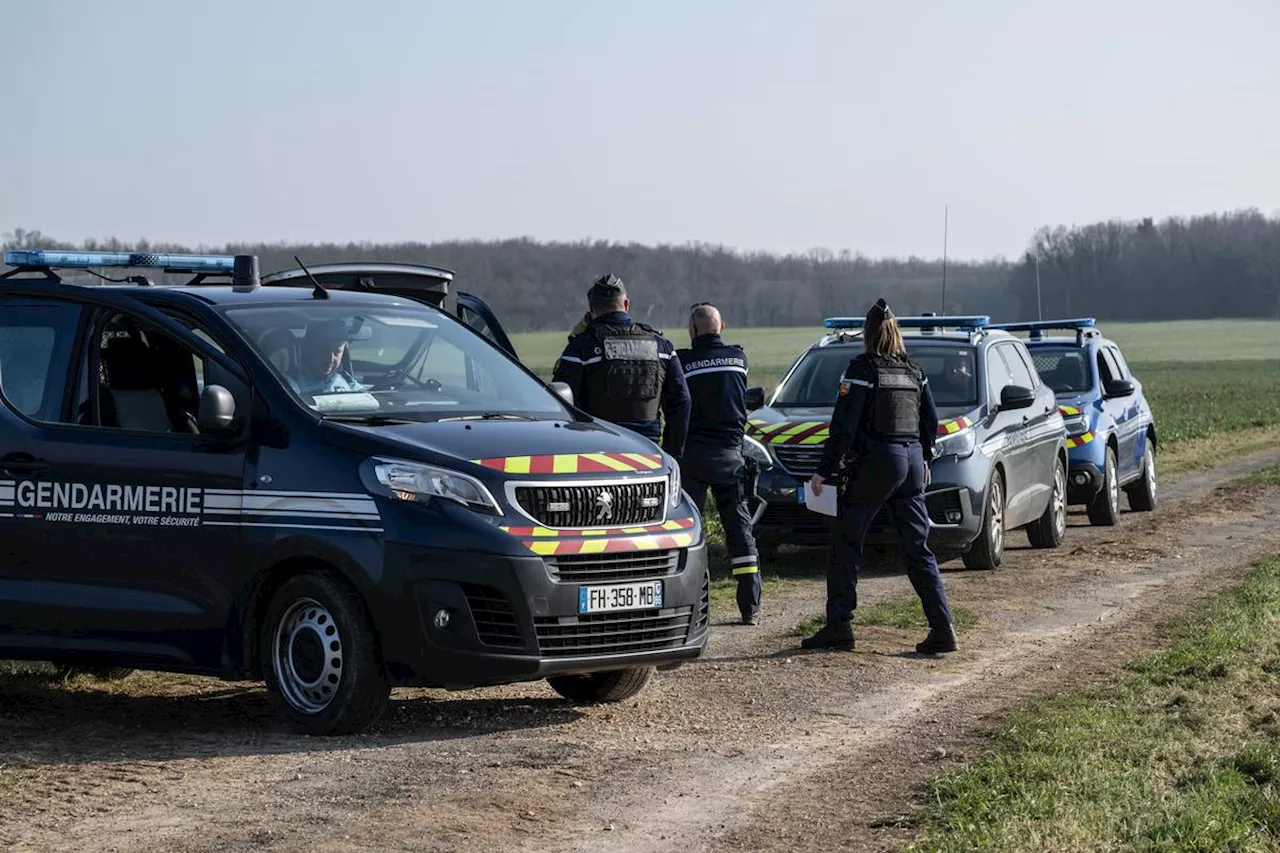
<point x="325" y="480"/>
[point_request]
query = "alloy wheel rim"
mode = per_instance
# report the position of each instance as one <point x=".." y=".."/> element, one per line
<point x="997" y="518"/>
<point x="307" y="656"/>
<point x="1113" y="489"/>
<point x="1059" y="501"/>
<point x="1151" y="471"/>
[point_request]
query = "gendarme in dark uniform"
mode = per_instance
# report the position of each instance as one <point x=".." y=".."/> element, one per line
<point x="716" y="373"/>
<point x="625" y="372"/>
<point x="882" y="433"/>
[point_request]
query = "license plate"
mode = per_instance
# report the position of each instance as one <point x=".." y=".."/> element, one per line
<point x="623" y="596"/>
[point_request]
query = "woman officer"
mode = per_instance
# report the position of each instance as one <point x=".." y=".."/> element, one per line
<point x="882" y="432"/>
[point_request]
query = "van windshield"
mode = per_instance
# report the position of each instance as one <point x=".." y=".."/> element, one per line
<point x="406" y="362"/>
<point x="950" y="369"/>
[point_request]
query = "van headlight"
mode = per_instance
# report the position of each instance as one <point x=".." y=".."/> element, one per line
<point x="418" y="483"/>
<point x="753" y="449"/>
<point x="961" y="444"/>
<point x="673" y="483"/>
<point x="1076" y="424"/>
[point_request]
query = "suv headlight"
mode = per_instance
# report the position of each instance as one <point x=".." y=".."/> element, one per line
<point x="673" y="483"/>
<point x="753" y="449"/>
<point x="418" y="483"/>
<point x="1076" y="424"/>
<point x="961" y="444"/>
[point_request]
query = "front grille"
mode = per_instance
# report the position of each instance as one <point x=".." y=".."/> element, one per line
<point x="800" y="460"/>
<point x="940" y="503"/>
<point x="612" y="633"/>
<point x="631" y="566"/>
<point x="796" y="518"/>
<point x="620" y="505"/>
<point x="494" y="617"/>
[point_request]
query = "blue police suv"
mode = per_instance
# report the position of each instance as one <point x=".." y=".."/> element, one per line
<point x="334" y="489"/>
<point x="1001" y="458"/>
<point x="1111" y="432"/>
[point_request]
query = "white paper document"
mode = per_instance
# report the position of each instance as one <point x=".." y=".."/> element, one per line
<point x="824" y="503"/>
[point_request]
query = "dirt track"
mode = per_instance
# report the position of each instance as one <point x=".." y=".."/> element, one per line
<point x="756" y="747"/>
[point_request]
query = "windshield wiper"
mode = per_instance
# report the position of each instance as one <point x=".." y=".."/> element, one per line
<point x="490" y="416"/>
<point x="369" y="420"/>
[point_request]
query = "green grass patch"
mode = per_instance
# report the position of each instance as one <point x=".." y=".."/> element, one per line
<point x="1182" y="755"/>
<point x="1200" y="399"/>
<point x="1265" y="477"/>
<point x="902" y="612"/>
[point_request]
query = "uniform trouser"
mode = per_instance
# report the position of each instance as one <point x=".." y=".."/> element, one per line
<point x="890" y="475"/>
<point x="720" y="469"/>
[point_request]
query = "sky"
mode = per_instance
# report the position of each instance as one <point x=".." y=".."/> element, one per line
<point x="777" y="126"/>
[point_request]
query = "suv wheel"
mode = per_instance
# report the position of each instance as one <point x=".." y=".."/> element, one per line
<point x="987" y="551"/>
<point x="612" y="686"/>
<point x="322" y="668"/>
<point x="1142" y="494"/>
<point x="1104" y="510"/>
<point x="1050" y="528"/>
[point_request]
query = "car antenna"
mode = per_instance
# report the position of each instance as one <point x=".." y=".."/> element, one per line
<point x="319" y="292"/>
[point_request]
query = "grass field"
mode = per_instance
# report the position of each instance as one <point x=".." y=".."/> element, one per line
<point x="1182" y="756"/>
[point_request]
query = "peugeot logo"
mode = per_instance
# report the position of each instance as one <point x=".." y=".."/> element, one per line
<point x="604" y="506"/>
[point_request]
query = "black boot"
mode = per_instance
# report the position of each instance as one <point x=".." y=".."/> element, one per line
<point x="833" y="635"/>
<point x="939" y="640"/>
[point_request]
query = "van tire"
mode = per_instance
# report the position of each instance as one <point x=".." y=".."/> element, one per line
<point x="325" y="675"/>
<point x="597" y="687"/>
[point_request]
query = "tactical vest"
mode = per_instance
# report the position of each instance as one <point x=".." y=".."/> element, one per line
<point x="626" y="385"/>
<point x="895" y="400"/>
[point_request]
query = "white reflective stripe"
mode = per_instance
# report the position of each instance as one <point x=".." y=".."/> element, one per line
<point x="293" y="513"/>
<point x="283" y="494"/>
<point x="596" y="360"/>
<point x="571" y="359"/>
<point x="862" y="382"/>
<point x="665" y="354"/>
<point x="703" y="370"/>
<point x="743" y="561"/>
<point x="349" y="528"/>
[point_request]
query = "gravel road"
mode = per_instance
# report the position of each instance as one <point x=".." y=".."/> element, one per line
<point x="758" y="746"/>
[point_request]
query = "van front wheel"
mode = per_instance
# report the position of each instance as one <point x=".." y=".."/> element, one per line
<point x="612" y="686"/>
<point x="318" y="654"/>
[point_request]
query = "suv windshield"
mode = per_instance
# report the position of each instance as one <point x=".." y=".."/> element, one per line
<point x="950" y="369"/>
<point x="409" y="362"/>
<point x="1064" y="369"/>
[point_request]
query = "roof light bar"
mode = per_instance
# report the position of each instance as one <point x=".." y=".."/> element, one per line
<point x="1037" y="328"/>
<point x="966" y="322"/>
<point x="84" y="260"/>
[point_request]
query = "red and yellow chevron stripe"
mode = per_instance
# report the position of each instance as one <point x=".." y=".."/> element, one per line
<point x="546" y="542"/>
<point x="1068" y="411"/>
<point x="786" y="432"/>
<point x="574" y="463"/>
<point x="1082" y="439"/>
<point x="953" y="425"/>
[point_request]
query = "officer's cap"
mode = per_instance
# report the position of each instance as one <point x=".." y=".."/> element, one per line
<point x="607" y="285"/>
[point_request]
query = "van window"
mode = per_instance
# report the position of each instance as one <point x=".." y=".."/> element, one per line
<point x="29" y="336"/>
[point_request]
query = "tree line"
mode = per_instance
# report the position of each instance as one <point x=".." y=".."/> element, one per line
<point x="1217" y="265"/>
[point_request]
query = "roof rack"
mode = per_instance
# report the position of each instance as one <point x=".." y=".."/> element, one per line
<point x="242" y="269"/>
<point x="1082" y="326"/>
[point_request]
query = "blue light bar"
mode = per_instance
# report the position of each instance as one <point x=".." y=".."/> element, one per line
<point x="84" y="260"/>
<point x="1037" y="328"/>
<point x="967" y="321"/>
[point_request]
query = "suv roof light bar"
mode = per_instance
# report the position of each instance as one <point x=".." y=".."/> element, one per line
<point x="962" y="322"/>
<point x="1082" y="326"/>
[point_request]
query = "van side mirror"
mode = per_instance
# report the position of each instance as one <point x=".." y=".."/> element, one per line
<point x="563" y="391"/>
<point x="217" y="409"/>
<point x="1016" y="397"/>
<point x="1119" y="388"/>
<point x="755" y="398"/>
